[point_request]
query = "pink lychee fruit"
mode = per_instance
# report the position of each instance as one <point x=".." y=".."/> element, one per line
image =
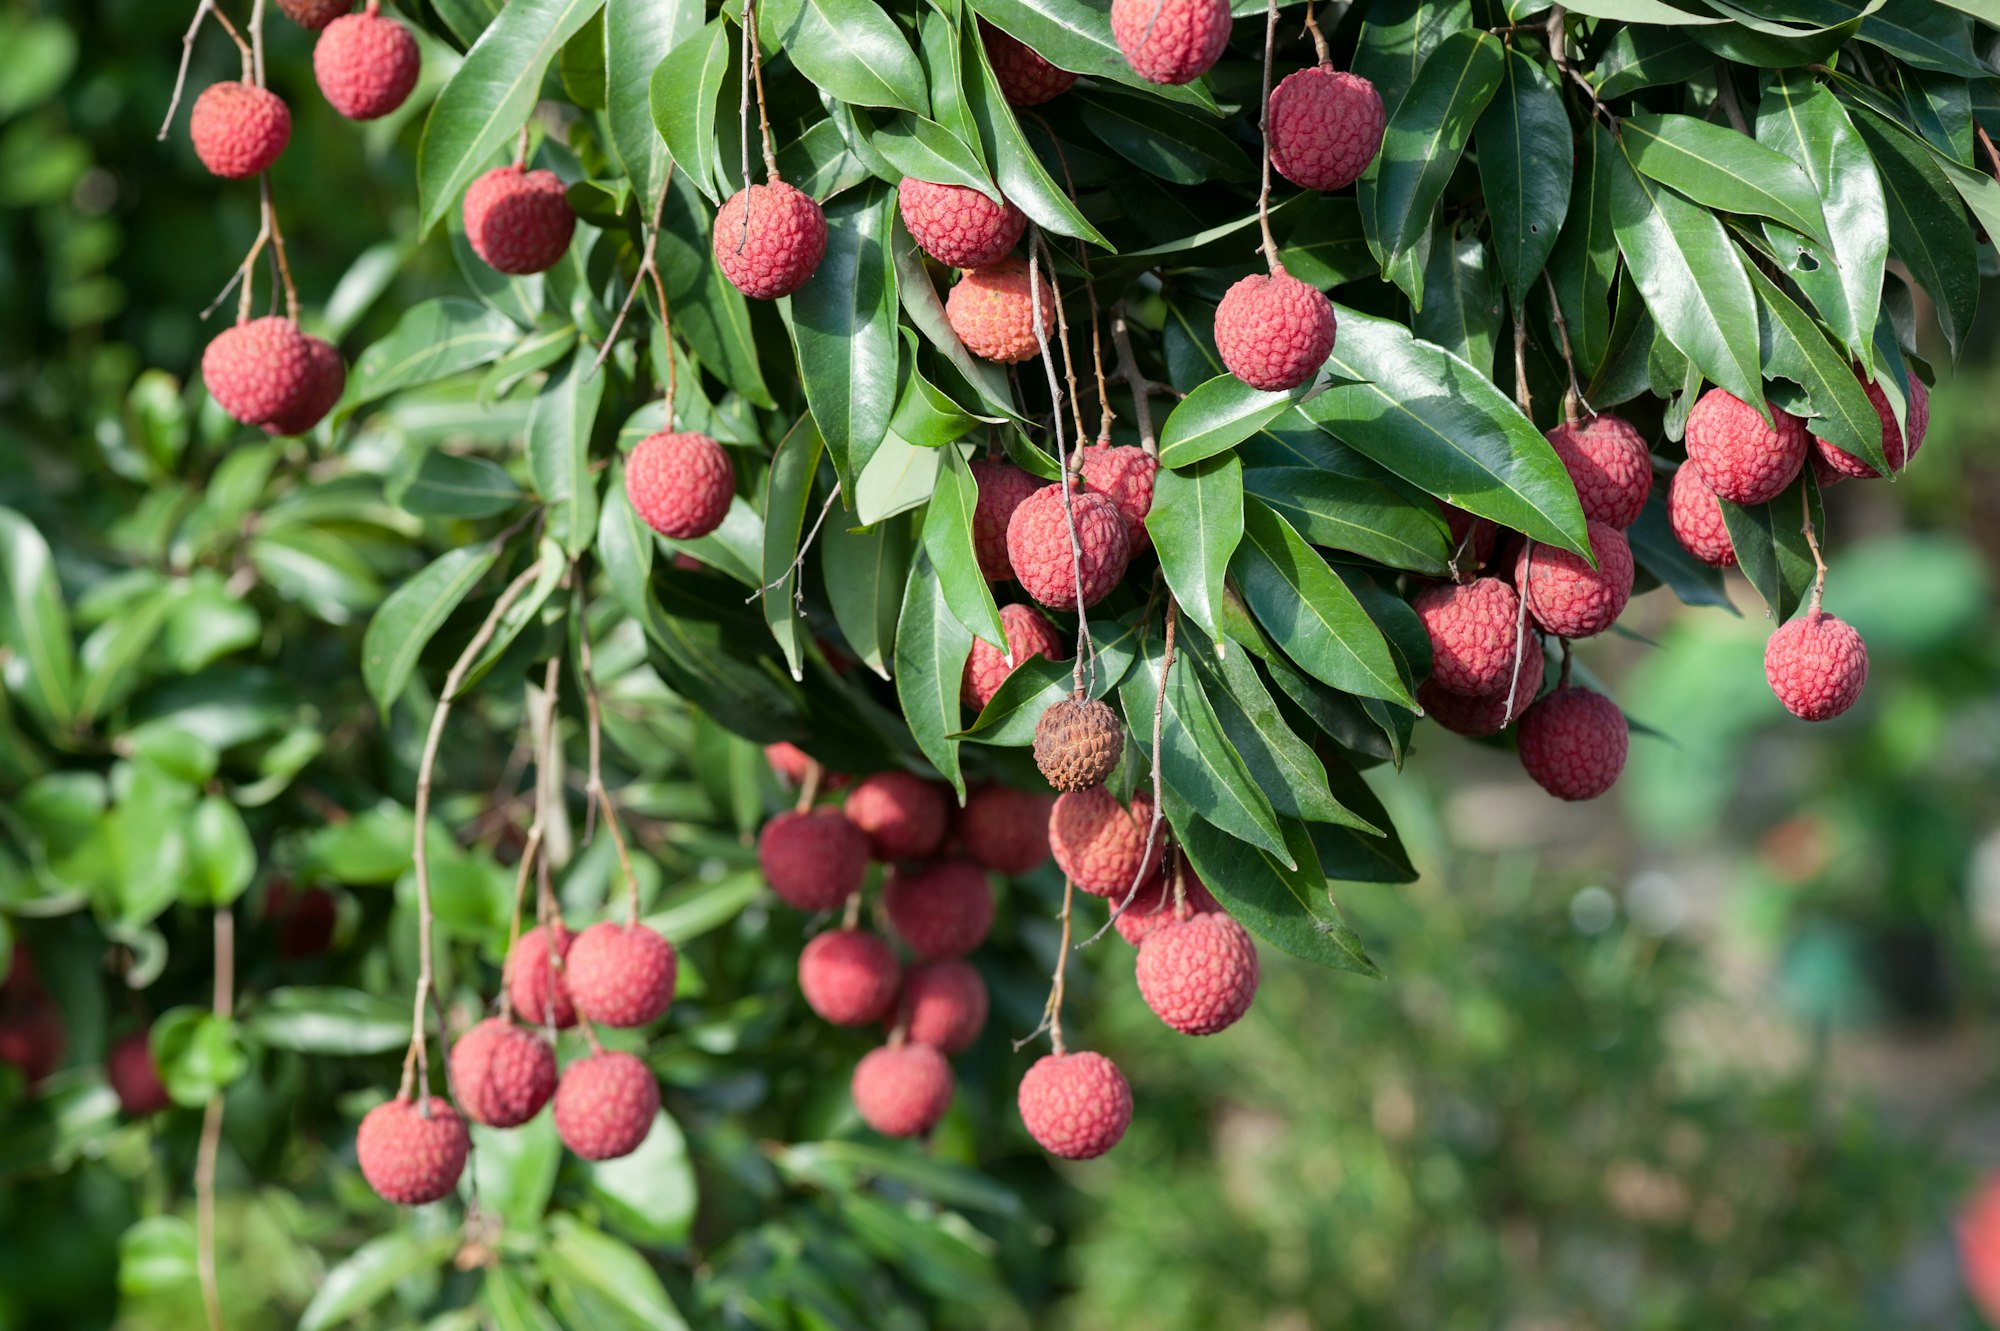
<point x="239" y="129"/>
<point x="33" y="1038"/>
<point x="366" y="64"/>
<point x="1831" y="464"/>
<point x="519" y="221"/>
<point x="1076" y="1106"/>
<point x="1474" y="629"/>
<point x="605" y="1105"/>
<point x="538" y="991"/>
<point x="1101" y="844"/>
<point x="1565" y="594"/>
<point x="1153" y="905"/>
<point x="1002" y="487"/>
<point x="1124" y="474"/>
<point x="902" y="1090"/>
<point x="813" y="860"/>
<point x="849" y="977"/>
<point x="130" y="1069"/>
<point x="1609" y="464"/>
<point x="903" y="814"/>
<point x="1326" y="127"/>
<point x="1816" y="664"/>
<point x="1494" y="712"/>
<point x="1743" y="459"/>
<point x="1696" y="519"/>
<point x="1026" y="79"/>
<point x="940" y="910"/>
<point x="986" y="668"/>
<point x="1199" y="974"/>
<point x="412" y="1155"/>
<point x="957" y="225"/>
<point x="681" y="485"/>
<point x="1006" y="830"/>
<point x="1170" y="41"/>
<point x="992" y="313"/>
<point x="1048" y="567"/>
<point x="1573" y="743"/>
<point x="621" y="974"/>
<point x="326" y="380"/>
<point x="1274" y="331"/>
<point x="769" y="240"/>
<point x="501" y="1073"/>
<point x="260" y="371"/>
<point x="312" y="15"/>
<point x="943" y="1004"/>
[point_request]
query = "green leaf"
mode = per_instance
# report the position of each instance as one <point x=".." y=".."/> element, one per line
<point x="1035" y="685"/>
<point x="851" y="48"/>
<point x="432" y="341"/>
<point x="1426" y="133"/>
<point x="1926" y="227"/>
<point x="40" y="668"/>
<point x="948" y="543"/>
<point x="220" y="857"/>
<point x="865" y="572"/>
<point x="1351" y="854"/>
<point x="376" y="1268"/>
<point x="452" y="485"/>
<point x="1398" y="36"/>
<point x="551" y="566"/>
<point x="926" y="311"/>
<point x="157" y="1255"/>
<point x="1289" y="908"/>
<point x="1195" y="522"/>
<point x="602" y="1283"/>
<point x="931" y="650"/>
<point x="338" y="1022"/>
<point x="1461" y="312"/>
<point x="844" y="325"/>
<point x="1525" y="149"/>
<point x="1928" y="36"/>
<point x="198" y="1054"/>
<point x="1022" y="178"/>
<point x="650" y="1194"/>
<point x="920" y="147"/>
<point x="1175" y="146"/>
<point x="1218" y="415"/>
<point x="787" y="495"/>
<point x="898" y="478"/>
<point x="712" y="315"/>
<point x="1074" y="35"/>
<point x="1726" y="170"/>
<point x="1647" y="57"/>
<point x="1363" y="517"/>
<point x="559" y="430"/>
<point x="411" y="617"/>
<point x="515" y="1169"/>
<point x="638" y="35"/>
<point x="1656" y="550"/>
<point x="113" y="658"/>
<point x="685" y="91"/>
<point x="507" y="1297"/>
<point x="1795" y="348"/>
<point x="1584" y="263"/>
<point x="1771" y="546"/>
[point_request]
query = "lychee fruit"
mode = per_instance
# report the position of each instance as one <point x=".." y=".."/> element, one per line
<point x="681" y="485"/>
<point x="326" y="380"/>
<point x="849" y="977"/>
<point x="1816" y="665"/>
<point x="813" y="860"/>
<point x="1565" y="594"/>
<point x="33" y="1038"/>
<point x="538" y="991"/>
<point x="1025" y="78"/>
<point x="791" y="763"/>
<point x="903" y="815"/>
<point x="366" y="64"/>
<point x="1028" y="635"/>
<point x="1832" y="463"/>
<point x="1273" y="331"/>
<point x="1696" y="519"/>
<point x="130" y="1069"/>
<point x="260" y="371"/>
<point x="501" y="1073"/>
<point x="1472" y="537"/>
<point x="943" y="1005"/>
<point x="1326" y="127"/>
<point x="519" y="221"/>
<point x="605" y="1105"/>
<point x="1573" y="743"/>
<point x="1478" y="717"/>
<point x="1473" y="629"/>
<point x="1006" y="830"/>
<point x="1199" y="974"/>
<point x="1743" y="459"/>
<point x="1609" y="464"/>
<point x="1170" y="41"/>
<point x="305" y="920"/>
<point x="1078" y="743"/>
<point x="1049" y="568"/>
<point x="621" y="974"/>
<point x="990" y="311"/>
<point x="1153" y="905"/>
<point x="412" y="1155"/>
<point x="902" y="1090"/>
<point x="957" y="225"/>
<point x="1076" y="1106"/>
<point x="312" y="15"/>
<point x="769" y="240"/>
<point x="1002" y="487"/>
<point x="1101" y="844"/>
<point x="239" y="129"/>
<point x="1124" y="474"/>
<point x="940" y="910"/>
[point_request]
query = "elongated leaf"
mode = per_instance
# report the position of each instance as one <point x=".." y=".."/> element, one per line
<point x="1925" y="228"/>
<point x="1525" y="147"/>
<point x="711" y="314"/>
<point x="865" y="572"/>
<point x="1037" y="684"/>
<point x="1584" y="264"/>
<point x="1728" y="171"/>
<point x="1928" y="35"/>
<point x="595" y="1278"/>
<point x="1462" y="311"/>
<point x="1771" y="546"/>
<point x="1398" y="36"/>
<point x="1795" y="348"/>
<point x="844" y="324"/>
<point x="1359" y="516"/>
<point x="1646" y="57"/>
<point x="787" y="496"/>
<point x="920" y="147"/>
<point x="559" y="431"/>
<point x="454" y="486"/>
<point x="683" y="95"/>
<point x="1181" y="148"/>
<point x="341" y="1022"/>
<point x="112" y="658"/>
<point x="366" y="1278"/>
<point x="1217" y="416"/>
<point x="511" y="1304"/>
<point x="926" y="310"/>
<point x="1074" y="35"/>
<point x="948" y="542"/>
<point x="1022" y="178"/>
<point x="1656" y="550"/>
<point x="851" y="48"/>
<point x="1289" y="908"/>
<point x="1426" y="134"/>
<point x="649" y="1194"/>
<point x="638" y="35"/>
<point x="1195" y="522"/>
<point x="411" y="617"/>
<point x="931" y="649"/>
<point x="432" y="341"/>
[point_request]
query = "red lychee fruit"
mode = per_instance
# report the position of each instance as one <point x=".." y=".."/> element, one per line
<point x="813" y="860"/>
<point x="789" y="761"/>
<point x="130" y="1069"/>
<point x="1493" y="713"/>
<point x="1831" y="464"/>
<point x="305" y="920"/>
<point x="1076" y="1106"/>
<point x="538" y="991"/>
<point x="412" y="1155"/>
<point x="940" y="910"/>
<point x="366" y="64"/>
<point x="239" y="129"/>
<point x="1100" y="843"/>
<point x="519" y="221"/>
<point x="903" y="815"/>
<point x="1744" y="460"/>
<point x="501" y="1073"/>
<point x="1002" y="487"/>
<point x="1573" y="743"/>
<point x="902" y="1090"/>
<point x="1566" y="595"/>
<point x="1006" y="830"/>
<point x="621" y="974"/>
<point x="769" y="240"/>
<point x="326" y="380"/>
<point x="33" y="1038"/>
<point x="957" y="225"/>
<point x="1472" y="537"/>
<point x="1170" y="41"/>
<point x="1610" y="465"/>
<point x="1025" y="78"/>
<point x="1038" y="547"/>
<point x="1978" y="1230"/>
<point x="1697" y="519"/>
<point x="1199" y="974"/>
<point x="605" y="1104"/>
<point x="680" y="484"/>
<point x="1153" y="906"/>
<point x="1474" y="629"/>
<point x="849" y="977"/>
<point x="1816" y="665"/>
<point x="259" y="371"/>
<point x="1274" y="331"/>
<point x="986" y="669"/>
<point x="990" y="311"/>
<point x="1326" y="127"/>
<point x="312" y="15"/>
<point x="1125" y="476"/>
<point x="943" y="1005"/>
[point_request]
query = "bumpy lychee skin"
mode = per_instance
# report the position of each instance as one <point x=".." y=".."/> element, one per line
<point x="849" y="977"/>
<point x="1816" y="665"/>
<point x="1078" y="743"/>
<point x="366" y="64"/>
<point x="519" y="221"/>
<point x="1567" y="596"/>
<point x="535" y="988"/>
<point x="681" y="485"/>
<point x="902" y="1090"/>
<point x="1744" y="460"/>
<point x="1153" y="906"/>
<point x="769" y="240"/>
<point x="1076" y="1106"/>
<point x="130" y="1070"/>
<point x="904" y="815"/>
<point x="1006" y="830"/>
<point x="813" y="860"/>
<point x="1573" y="743"/>
<point x="943" y="1005"/>
<point x="312" y="15"/>
<point x="408" y="1158"/>
<point x="502" y="1073"/>
<point x="1473" y="628"/>
<point x="1832" y="464"/>
<point x="941" y="910"/>
<point x="621" y="974"/>
<point x="991" y="312"/>
<point x="986" y="668"/>
<point x="1170" y="41"/>
<point x="1025" y="78"/>
<point x="1476" y="718"/>
<point x="957" y="225"/>
<point x="1049" y="569"/>
<point x="239" y="129"/>
<point x="1199" y="975"/>
<point x="1696" y="519"/>
<point x="1326" y="127"/>
<point x="1610" y="465"/>
<point x="605" y="1105"/>
<point x="1125" y="476"/>
<point x="1002" y="487"/>
<point x="260" y="371"/>
<point x="1100" y="843"/>
<point x="326" y="380"/>
<point x="1274" y="331"/>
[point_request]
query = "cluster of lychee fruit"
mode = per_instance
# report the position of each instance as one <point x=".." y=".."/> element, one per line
<point x="33" y="1040"/>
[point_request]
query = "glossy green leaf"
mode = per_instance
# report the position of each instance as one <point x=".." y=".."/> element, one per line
<point x="948" y="543"/>
<point x="1462" y="309"/>
<point x="1362" y="517"/>
<point x="1398" y="36"/>
<point x="1771" y="546"/>
<point x="1584" y="264"/>
<point x="412" y="615"/>
<point x="931" y="650"/>
<point x="650" y="1194"/>
<point x="844" y="325"/>
<point x="1195" y="522"/>
<point x="1656" y="550"/>
<point x="787" y="497"/>
<point x="453" y="485"/>
<point x="1926" y="229"/>
<point x="1288" y="907"/>
<point x="197" y="1053"/>
<point x="1724" y="169"/>
<point x="865" y="572"/>
<point x="1795" y="348"/>
<point x="1217" y="416"/>
<point x="1075" y="35"/>
<point x="220" y="857"/>
<point x="1023" y="179"/>
<point x="920" y="147"/>
<point x="1176" y="146"/>
<point x="1426" y="133"/>
<point x="711" y="314"/>
<point x="851" y="48"/>
<point x="1037" y="683"/>
<point x="684" y="93"/>
<point x="1525" y="147"/>
<point x="366" y="1278"/>
<point x="512" y="1304"/>
<point x="559" y="431"/>
<point x="925" y="307"/>
<point x="638" y="35"/>
<point x="1647" y="57"/>
<point x="338" y="1022"/>
<point x="432" y="341"/>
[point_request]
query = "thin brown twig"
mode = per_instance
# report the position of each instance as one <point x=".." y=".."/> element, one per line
<point x="1264" y="131"/>
<point x="648" y="264"/>
<point x="201" y="11"/>
<point x="1992" y="155"/>
<point x="799" y="594"/>
<point x="1812" y="544"/>
<point x="257" y="39"/>
<point x="1062" y="336"/>
<point x="1086" y="650"/>
<point x="209" y="1153"/>
<point x="278" y="247"/>
<point x="1319" y="38"/>
<point x="1725" y="96"/>
<point x="1576" y="399"/>
<point x="1521" y="394"/>
<point x="1128" y="370"/>
<point x="594" y="787"/>
<point x="245" y="273"/>
<point x="771" y="176"/>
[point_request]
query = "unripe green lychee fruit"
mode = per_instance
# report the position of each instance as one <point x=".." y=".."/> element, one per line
<point x="1002" y="487"/>
<point x="519" y="221"/>
<point x="1816" y="664"/>
<point x="1026" y="79"/>
<point x="769" y="240"/>
<point x="605" y="1105"/>
<point x="1048" y="567"/>
<point x="1199" y="974"/>
<point x="1078" y="743"/>
<point x="1326" y="127"/>
<point x="943" y="1004"/>
<point x="130" y="1070"/>
<point x="1076" y="1106"/>
<point x="538" y="991"/>
<point x="940" y="910"/>
<point x="312" y="15"/>
<point x="1743" y="459"/>
<point x="1565" y="594"/>
<point x="1490" y="713"/>
<point x="903" y="815"/>
<point x="1610" y="466"/>
<point x="366" y="64"/>
<point x="849" y="977"/>
<point x="680" y="485"/>
<point x="992" y="314"/>
<point x="1170" y="41"/>
<point x="1573" y="743"/>
<point x="1696" y="518"/>
<point x="239" y="129"/>
<point x="621" y="974"/>
<point x="1473" y="629"/>
<point x="412" y="1155"/>
<point x="1124" y="475"/>
<point x="957" y="225"/>
<point x="1006" y="830"/>
<point x="1832" y="464"/>
<point x="902" y="1090"/>
<point x="502" y="1073"/>
<point x="986" y="668"/>
<point x="1100" y="843"/>
<point x="813" y="860"/>
<point x="1274" y="331"/>
<point x="260" y="371"/>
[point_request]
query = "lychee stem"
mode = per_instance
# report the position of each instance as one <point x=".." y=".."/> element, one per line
<point x="1086" y="650"/>
<point x="594" y="787"/>
<point x="530" y="854"/>
<point x="521" y="148"/>
<point x="648" y="267"/>
<point x="753" y="73"/>
<point x="1521" y="636"/>
<point x="206" y="9"/>
<point x="809" y="786"/>
<point x="210" y="1149"/>
<point x="1562" y="677"/>
<point x="1062" y="971"/>
<point x="1264" y="129"/>
<point x="1522" y="397"/>
<point x="1319" y="38"/>
<point x="1159" y="803"/>
<point x="850" y="914"/>
<point x="1986" y="142"/>
<point x="1812" y="544"/>
<point x="1575" y="401"/>
<point x="1135" y="381"/>
<point x="257" y="39"/>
